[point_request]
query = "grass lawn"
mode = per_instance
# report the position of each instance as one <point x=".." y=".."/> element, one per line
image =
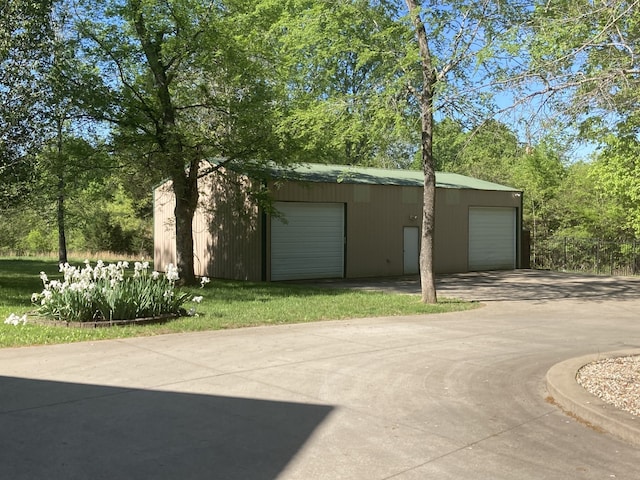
<point x="226" y="304"/>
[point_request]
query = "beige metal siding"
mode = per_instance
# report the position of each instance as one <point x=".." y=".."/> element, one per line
<point x="375" y="219"/>
<point x="452" y="223"/>
<point x="164" y="228"/>
<point x="227" y="229"/>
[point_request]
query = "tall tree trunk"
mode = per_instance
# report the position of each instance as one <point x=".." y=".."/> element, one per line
<point x="425" y="96"/>
<point x="427" y="277"/>
<point x="62" y="237"/>
<point x="185" y="178"/>
<point x="185" y="188"/>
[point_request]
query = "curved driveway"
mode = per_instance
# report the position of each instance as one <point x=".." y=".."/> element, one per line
<point x="450" y="396"/>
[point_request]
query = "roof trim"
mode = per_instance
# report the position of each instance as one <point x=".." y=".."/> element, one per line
<point x="348" y="174"/>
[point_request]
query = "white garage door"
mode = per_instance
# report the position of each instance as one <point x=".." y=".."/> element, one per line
<point x="309" y="243"/>
<point x="492" y="238"/>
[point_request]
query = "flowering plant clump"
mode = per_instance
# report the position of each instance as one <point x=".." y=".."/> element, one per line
<point x="14" y="319"/>
<point x="107" y="293"/>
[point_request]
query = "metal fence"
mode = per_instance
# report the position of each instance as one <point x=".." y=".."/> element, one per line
<point x="587" y="255"/>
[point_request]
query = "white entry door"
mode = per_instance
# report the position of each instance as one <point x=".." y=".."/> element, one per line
<point x="411" y="250"/>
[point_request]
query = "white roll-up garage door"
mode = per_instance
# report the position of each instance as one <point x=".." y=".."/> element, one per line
<point x="492" y="238"/>
<point x="309" y="242"/>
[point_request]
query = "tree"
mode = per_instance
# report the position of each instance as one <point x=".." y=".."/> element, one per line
<point x="65" y="166"/>
<point x="189" y="80"/>
<point x="582" y="69"/>
<point x="459" y="47"/>
<point x="66" y="155"/>
<point x="489" y="151"/>
<point x="25" y="42"/>
<point x="343" y="83"/>
<point x="616" y="173"/>
<point x="580" y="62"/>
<point x="540" y="172"/>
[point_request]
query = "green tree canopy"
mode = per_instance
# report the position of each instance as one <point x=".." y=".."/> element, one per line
<point x="616" y="174"/>
<point x="342" y="69"/>
<point x="188" y="81"/>
<point x="25" y="42"/>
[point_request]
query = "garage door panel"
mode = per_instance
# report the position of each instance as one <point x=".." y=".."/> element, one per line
<point x="308" y="242"/>
<point x="492" y="238"/>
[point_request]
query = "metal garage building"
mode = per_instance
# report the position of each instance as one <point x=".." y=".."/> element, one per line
<point x="334" y="221"/>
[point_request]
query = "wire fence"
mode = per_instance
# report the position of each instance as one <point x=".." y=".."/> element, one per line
<point x="587" y="255"/>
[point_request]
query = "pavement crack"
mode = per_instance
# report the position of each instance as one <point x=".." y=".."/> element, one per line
<point x="470" y="445"/>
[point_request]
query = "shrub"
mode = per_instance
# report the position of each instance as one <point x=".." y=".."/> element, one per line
<point x="107" y="293"/>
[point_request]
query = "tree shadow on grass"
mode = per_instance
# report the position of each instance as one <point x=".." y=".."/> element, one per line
<point x="62" y="430"/>
<point x="236" y="290"/>
<point x="20" y="277"/>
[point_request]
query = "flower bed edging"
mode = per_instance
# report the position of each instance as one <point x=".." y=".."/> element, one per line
<point x="105" y="323"/>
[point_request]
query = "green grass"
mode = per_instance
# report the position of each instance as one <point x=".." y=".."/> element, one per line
<point x="226" y="304"/>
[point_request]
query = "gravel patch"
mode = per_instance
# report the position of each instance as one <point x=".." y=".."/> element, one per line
<point x="615" y="381"/>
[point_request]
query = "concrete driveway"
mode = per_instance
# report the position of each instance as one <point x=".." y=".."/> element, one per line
<point x="451" y="396"/>
<point x="517" y="285"/>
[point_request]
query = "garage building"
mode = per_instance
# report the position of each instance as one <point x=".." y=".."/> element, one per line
<point x="332" y="221"/>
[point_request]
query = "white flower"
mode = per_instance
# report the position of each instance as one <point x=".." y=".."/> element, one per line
<point x="155" y="275"/>
<point x="43" y="277"/>
<point x="14" y="319"/>
<point x="197" y="299"/>
<point x="172" y="273"/>
<point x="204" y="281"/>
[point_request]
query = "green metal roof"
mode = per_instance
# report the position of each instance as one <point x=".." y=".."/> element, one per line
<point x="322" y="173"/>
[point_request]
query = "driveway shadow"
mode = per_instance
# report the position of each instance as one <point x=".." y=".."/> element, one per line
<point x="536" y="285"/>
<point x="72" y="431"/>
<point x="505" y="285"/>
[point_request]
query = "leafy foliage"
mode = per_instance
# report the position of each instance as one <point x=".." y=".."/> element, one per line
<point x="582" y="60"/>
<point x="186" y="81"/>
<point x="25" y="42"/>
<point x="616" y="174"/>
<point x="342" y="71"/>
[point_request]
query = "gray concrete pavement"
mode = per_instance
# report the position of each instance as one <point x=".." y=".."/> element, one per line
<point x="450" y="396"/>
<point x="576" y="401"/>
<point x="517" y="285"/>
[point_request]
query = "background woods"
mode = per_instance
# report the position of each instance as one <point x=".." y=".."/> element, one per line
<point x="100" y="101"/>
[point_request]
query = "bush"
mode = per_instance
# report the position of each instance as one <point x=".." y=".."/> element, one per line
<point x="107" y="293"/>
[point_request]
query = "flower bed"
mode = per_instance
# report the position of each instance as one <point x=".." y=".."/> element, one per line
<point x="104" y="295"/>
